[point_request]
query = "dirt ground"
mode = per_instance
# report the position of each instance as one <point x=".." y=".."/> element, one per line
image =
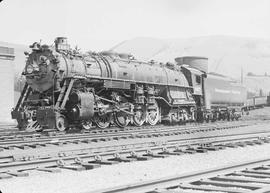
<point x="125" y="173"/>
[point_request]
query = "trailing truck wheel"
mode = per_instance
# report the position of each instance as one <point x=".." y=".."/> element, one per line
<point x="121" y="119"/>
<point x="61" y="123"/>
<point x="152" y="115"/>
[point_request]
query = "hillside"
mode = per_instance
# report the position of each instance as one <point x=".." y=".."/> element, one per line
<point x="227" y="54"/>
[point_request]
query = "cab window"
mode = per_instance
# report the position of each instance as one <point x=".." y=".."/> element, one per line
<point x="198" y="79"/>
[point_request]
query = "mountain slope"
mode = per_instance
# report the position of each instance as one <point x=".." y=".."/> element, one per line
<point x="227" y="54"/>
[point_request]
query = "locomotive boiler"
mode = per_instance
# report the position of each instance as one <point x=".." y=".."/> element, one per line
<point x="65" y="88"/>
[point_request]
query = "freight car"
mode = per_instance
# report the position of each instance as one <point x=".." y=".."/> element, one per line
<point x="256" y="102"/>
<point x="66" y="89"/>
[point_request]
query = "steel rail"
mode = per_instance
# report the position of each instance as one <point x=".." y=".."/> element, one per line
<point x="14" y="132"/>
<point x="172" y="182"/>
<point x="88" y="156"/>
<point x="41" y="140"/>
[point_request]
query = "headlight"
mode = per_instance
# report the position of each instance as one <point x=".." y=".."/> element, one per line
<point x="29" y="69"/>
<point x="35" y="67"/>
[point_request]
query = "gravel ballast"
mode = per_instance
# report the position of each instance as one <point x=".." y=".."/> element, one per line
<point x="124" y="173"/>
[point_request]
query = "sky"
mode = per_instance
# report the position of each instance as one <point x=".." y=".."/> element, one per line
<point x="101" y="24"/>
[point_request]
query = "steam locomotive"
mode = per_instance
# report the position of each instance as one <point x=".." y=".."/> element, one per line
<point x="65" y="89"/>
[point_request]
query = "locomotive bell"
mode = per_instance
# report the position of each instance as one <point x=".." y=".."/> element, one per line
<point x="35" y="46"/>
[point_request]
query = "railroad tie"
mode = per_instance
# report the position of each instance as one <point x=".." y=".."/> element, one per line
<point x="253" y="175"/>
<point x="89" y="166"/>
<point x="10" y="147"/>
<point x="164" y="191"/>
<point x="170" y="153"/>
<point x="5" y="176"/>
<point x="231" y="145"/>
<point x="226" y="184"/>
<point x="156" y="155"/>
<point x="119" y="158"/>
<point x="140" y="158"/>
<point x="258" y="142"/>
<point x="18" y="173"/>
<point x="210" y="188"/>
<point x="73" y="167"/>
<point x="240" y="179"/>
<point x="265" y="172"/>
<point x="251" y="143"/>
<point x="51" y="170"/>
<point x="104" y="162"/>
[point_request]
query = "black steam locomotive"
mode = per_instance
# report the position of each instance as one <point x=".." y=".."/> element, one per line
<point x="65" y="88"/>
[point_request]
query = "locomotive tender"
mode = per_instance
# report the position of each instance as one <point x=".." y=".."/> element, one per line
<point x="67" y="89"/>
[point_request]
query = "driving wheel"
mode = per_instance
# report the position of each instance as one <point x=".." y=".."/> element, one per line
<point x="153" y="114"/>
<point x="103" y="121"/>
<point x="139" y="116"/>
<point x="121" y="119"/>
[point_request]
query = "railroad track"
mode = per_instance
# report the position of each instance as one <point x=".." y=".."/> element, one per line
<point x="89" y="158"/>
<point x="252" y="176"/>
<point x="13" y="133"/>
<point x="38" y="140"/>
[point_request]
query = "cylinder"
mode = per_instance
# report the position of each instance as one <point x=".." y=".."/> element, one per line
<point x="83" y="105"/>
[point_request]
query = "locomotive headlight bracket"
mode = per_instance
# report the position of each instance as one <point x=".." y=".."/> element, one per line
<point x="29" y="69"/>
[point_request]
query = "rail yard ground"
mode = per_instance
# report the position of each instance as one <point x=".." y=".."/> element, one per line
<point x="124" y="173"/>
